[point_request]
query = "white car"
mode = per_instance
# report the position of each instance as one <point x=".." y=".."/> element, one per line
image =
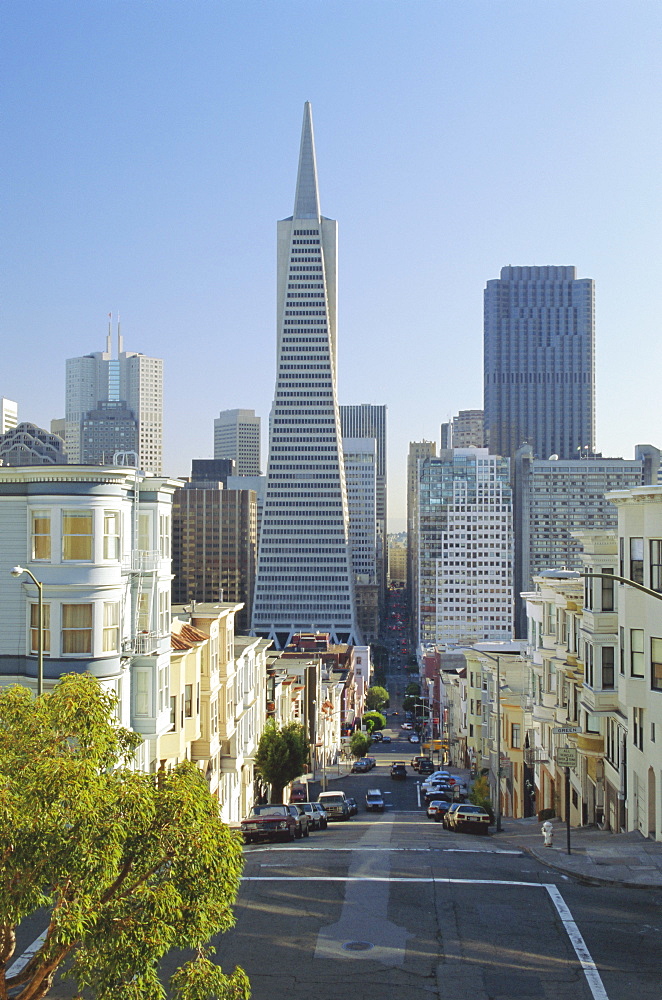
<point x="414" y="738"/>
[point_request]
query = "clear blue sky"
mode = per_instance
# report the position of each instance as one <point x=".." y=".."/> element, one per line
<point x="150" y="147"/>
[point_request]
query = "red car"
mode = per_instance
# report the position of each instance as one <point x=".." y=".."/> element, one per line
<point x="274" y="822"/>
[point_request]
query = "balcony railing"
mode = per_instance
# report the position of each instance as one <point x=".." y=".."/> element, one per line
<point x="141" y="561"/>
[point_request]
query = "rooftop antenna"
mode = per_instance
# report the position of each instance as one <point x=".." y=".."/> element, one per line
<point x="108" y="337"/>
<point x="120" y="342"/>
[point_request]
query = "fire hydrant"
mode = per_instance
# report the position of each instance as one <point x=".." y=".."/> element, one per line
<point x="548" y="833"/>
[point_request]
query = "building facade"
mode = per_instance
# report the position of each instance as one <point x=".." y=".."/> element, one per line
<point x="554" y="499"/>
<point x="466" y="430"/>
<point x="418" y="452"/>
<point x="539" y="363"/>
<point x="304" y="572"/>
<point x="237" y="436"/>
<point x="360" y="457"/>
<point x="98" y="540"/>
<point x="8" y="414"/>
<point x="463" y="588"/>
<point x="96" y="422"/>
<point x="27" y="444"/>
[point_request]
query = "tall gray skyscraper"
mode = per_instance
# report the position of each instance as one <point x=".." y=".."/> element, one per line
<point x="115" y="405"/>
<point x="237" y="436"/>
<point x="304" y="577"/>
<point x="539" y="364"/>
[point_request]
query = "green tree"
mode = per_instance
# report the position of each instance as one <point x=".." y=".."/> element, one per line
<point x="376" y="697"/>
<point x="282" y="755"/>
<point x="413" y="688"/>
<point x="374" y="721"/>
<point x="409" y="703"/>
<point x="480" y="794"/>
<point x="359" y="744"/>
<point x="128" y="866"/>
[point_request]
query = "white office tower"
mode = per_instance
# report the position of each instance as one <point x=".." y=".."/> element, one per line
<point x="8" y="415"/>
<point x="237" y="436"/>
<point x="304" y="578"/>
<point x="360" y="455"/>
<point x="464" y="588"/>
<point x="115" y="405"/>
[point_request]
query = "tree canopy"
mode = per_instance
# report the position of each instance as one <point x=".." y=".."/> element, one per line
<point x="376" y="697"/>
<point x="128" y="866"/>
<point x="373" y="721"/>
<point x="413" y="688"/>
<point x="359" y="744"/>
<point x="282" y="755"/>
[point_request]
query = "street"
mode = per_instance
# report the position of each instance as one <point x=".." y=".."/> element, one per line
<point x="393" y="905"/>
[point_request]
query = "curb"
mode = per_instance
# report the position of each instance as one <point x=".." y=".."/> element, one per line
<point x="594" y="880"/>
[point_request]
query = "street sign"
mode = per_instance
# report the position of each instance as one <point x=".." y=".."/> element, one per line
<point x="566" y="729"/>
<point x="566" y="757"/>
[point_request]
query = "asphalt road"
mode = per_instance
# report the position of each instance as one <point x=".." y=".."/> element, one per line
<point x="391" y="905"/>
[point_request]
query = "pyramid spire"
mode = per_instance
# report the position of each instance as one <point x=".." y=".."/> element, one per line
<point x="306" y="199"/>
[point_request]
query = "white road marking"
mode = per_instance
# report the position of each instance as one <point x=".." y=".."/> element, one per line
<point x="20" y="963"/>
<point x="389" y="850"/>
<point x="587" y="964"/>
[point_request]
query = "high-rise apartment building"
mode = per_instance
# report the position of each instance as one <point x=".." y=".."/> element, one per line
<point x="418" y="452"/>
<point x="365" y="420"/>
<point x="466" y="430"/>
<point x="463" y="589"/>
<point x="360" y="455"/>
<point x="27" y="444"/>
<point x="115" y="405"/>
<point x="214" y="546"/>
<point x="237" y="436"/>
<point x="554" y="499"/>
<point x="304" y="577"/>
<point x="8" y="414"/>
<point x="539" y="364"/>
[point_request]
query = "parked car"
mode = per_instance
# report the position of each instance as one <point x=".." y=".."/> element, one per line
<point x="324" y="819"/>
<point x="467" y="818"/>
<point x="386" y="739"/>
<point x="444" y="794"/>
<point x="272" y="822"/>
<point x="406" y="725"/>
<point x="398" y="770"/>
<point x="353" y="806"/>
<point x="360" y="766"/>
<point x="377" y="737"/>
<point x="298" y="792"/>
<point x="372" y="761"/>
<point x="304" y="819"/>
<point x="335" y="803"/>
<point x="448" y="815"/>
<point x="414" y="738"/>
<point x="313" y="814"/>
<point x="418" y="760"/>
<point x="426" y="767"/>
<point x="436" y="809"/>
<point x="374" y="800"/>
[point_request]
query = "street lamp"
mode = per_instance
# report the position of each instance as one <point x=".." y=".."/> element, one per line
<point x="18" y="571"/>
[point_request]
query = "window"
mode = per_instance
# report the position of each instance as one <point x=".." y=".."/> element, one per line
<point x="143" y="612"/>
<point x="77" y="534"/>
<point x="656" y="664"/>
<point x="607" y="591"/>
<point x="515" y="736"/>
<point x="77" y="629"/>
<point x="637" y="560"/>
<point x="173" y="712"/>
<point x="142" y="690"/>
<point x="607" y="667"/>
<point x="188" y="701"/>
<point x="638" y="728"/>
<point x="636" y="652"/>
<point x="111" y="627"/>
<point x="621" y="649"/>
<point x="145" y="531"/>
<point x="164" y="687"/>
<point x="41" y="535"/>
<point x="45" y="628"/>
<point x="164" y="536"/>
<point x="111" y="534"/>
<point x="213" y="717"/>
<point x="164" y="612"/>
<point x="656" y="564"/>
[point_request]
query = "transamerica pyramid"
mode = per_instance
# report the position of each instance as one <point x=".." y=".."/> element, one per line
<point x="304" y="579"/>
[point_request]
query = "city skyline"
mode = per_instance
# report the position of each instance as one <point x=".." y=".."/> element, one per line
<point x="149" y="154"/>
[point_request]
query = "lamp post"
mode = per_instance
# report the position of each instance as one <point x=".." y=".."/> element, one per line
<point x="18" y="571"/>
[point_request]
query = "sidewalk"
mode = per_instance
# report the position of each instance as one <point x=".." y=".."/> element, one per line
<point x="597" y="857"/>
